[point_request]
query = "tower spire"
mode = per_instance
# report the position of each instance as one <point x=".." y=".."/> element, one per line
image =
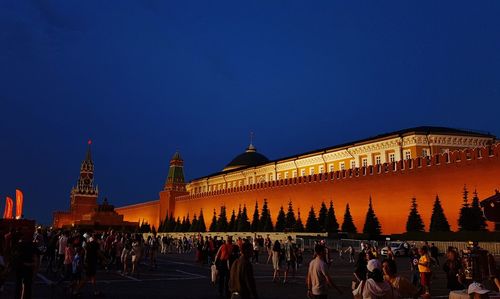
<point x="85" y="184"/>
<point x="251" y="148"/>
<point x="88" y="157"/>
<point x="175" y="179"/>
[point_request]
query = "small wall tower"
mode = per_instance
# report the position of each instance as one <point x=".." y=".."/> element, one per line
<point x="174" y="186"/>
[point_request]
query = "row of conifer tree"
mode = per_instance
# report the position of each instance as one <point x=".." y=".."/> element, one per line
<point x="470" y="219"/>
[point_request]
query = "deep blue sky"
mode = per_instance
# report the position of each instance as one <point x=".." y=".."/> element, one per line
<point x="144" y="78"/>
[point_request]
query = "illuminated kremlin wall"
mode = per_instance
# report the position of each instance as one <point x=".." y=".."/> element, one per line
<point x="146" y="211"/>
<point x="391" y="189"/>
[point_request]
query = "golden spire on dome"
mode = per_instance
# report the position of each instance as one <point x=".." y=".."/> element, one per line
<point x="251" y="148"/>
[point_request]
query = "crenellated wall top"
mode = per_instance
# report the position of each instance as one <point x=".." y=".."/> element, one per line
<point x="468" y="155"/>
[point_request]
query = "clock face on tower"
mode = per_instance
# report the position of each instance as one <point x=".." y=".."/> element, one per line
<point x="86" y="181"/>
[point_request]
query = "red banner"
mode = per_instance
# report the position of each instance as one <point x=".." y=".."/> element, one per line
<point x="7" y="214"/>
<point x="19" y="204"/>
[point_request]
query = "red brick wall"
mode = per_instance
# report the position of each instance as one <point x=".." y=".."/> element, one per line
<point x="391" y="191"/>
<point x="147" y="211"/>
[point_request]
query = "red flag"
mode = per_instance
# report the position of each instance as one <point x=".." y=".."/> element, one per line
<point x="7" y="214"/>
<point x="19" y="204"/>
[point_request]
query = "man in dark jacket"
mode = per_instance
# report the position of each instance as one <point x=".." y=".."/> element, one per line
<point x="241" y="279"/>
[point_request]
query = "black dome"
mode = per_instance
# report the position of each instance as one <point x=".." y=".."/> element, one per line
<point x="249" y="158"/>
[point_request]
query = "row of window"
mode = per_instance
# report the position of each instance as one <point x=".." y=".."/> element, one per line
<point x="321" y="169"/>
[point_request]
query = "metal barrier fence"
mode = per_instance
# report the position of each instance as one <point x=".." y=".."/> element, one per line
<point x="310" y="238"/>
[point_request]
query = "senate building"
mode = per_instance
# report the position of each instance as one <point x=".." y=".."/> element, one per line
<point x="390" y="168"/>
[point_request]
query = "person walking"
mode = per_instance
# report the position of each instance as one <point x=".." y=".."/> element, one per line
<point x="275" y="252"/>
<point x="26" y="262"/>
<point x="424" y="267"/>
<point x="256" y="249"/>
<point x="318" y="279"/>
<point x="269" y="247"/>
<point x="222" y="262"/>
<point x="290" y="259"/>
<point x="374" y="286"/>
<point x="92" y="254"/>
<point x="403" y="288"/>
<point x="137" y="250"/>
<point x="62" y="242"/>
<point x="452" y="266"/>
<point x="434" y="251"/>
<point x="241" y="278"/>
<point x="415" y="275"/>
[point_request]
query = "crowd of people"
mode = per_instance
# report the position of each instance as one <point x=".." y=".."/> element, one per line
<point x="74" y="257"/>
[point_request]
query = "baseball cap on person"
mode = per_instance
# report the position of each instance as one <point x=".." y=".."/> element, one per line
<point x="373" y="264"/>
<point x="477" y="288"/>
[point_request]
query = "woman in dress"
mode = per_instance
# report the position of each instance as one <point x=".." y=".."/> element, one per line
<point x="137" y="249"/>
<point x="276" y="251"/>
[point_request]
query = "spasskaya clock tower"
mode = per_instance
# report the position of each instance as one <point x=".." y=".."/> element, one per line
<point x="84" y="194"/>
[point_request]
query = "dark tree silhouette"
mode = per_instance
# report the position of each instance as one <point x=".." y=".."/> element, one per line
<point x="194" y="224"/>
<point x="439" y="223"/>
<point x="244" y="224"/>
<point x="332" y="226"/>
<point x="178" y="225"/>
<point x="477" y="213"/>
<point x="222" y="221"/>
<point x="280" y="221"/>
<point x="348" y="224"/>
<point x="213" y="225"/>
<point x="201" y="222"/>
<point x="322" y="216"/>
<point x="165" y="223"/>
<point x="414" y="222"/>
<point x="238" y="219"/>
<point x="232" y="226"/>
<point x="466" y="217"/>
<point x="290" y="217"/>
<point x="187" y="224"/>
<point x="372" y="225"/>
<point x="299" y="226"/>
<point x="312" y="224"/>
<point x="255" y="219"/>
<point x="172" y="224"/>
<point x="265" y="218"/>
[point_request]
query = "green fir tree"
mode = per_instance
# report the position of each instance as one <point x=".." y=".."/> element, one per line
<point x="348" y="223"/>
<point x="244" y="223"/>
<point x="322" y="216"/>
<point x="213" y="225"/>
<point x="372" y="225"/>
<point x="290" y="217"/>
<point x="439" y="223"/>
<point x="280" y="221"/>
<point x="299" y="226"/>
<point x="173" y="223"/>
<point x="255" y="219"/>
<point x="187" y="225"/>
<point x="178" y="225"/>
<point x="232" y="227"/>
<point x="194" y="224"/>
<point x="312" y="224"/>
<point x="466" y="217"/>
<point x="238" y="219"/>
<point x="332" y="226"/>
<point x="265" y="218"/>
<point x="414" y="222"/>
<point x="201" y="222"/>
<point x="222" y="221"/>
<point x="477" y="213"/>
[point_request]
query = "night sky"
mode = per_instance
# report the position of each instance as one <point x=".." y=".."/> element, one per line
<point x="144" y="78"/>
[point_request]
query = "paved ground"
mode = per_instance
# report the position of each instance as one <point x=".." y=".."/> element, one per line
<point x="179" y="277"/>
